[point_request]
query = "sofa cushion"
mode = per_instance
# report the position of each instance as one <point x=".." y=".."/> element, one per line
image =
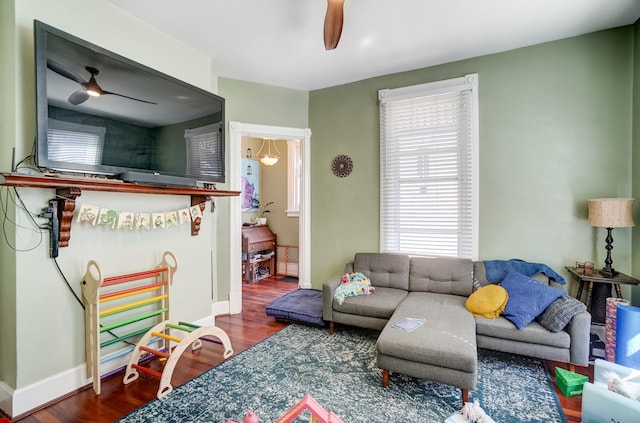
<point x="560" y="313"/>
<point x="441" y="275"/>
<point x="380" y="304"/>
<point x="384" y="269"/>
<point x="533" y="333"/>
<point x="488" y="301"/>
<point x="527" y="298"/>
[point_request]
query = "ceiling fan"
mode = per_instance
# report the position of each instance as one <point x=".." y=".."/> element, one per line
<point x="89" y="88"/>
<point x="333" y="23"/>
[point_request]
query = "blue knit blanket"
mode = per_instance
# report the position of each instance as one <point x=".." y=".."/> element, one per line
<point x="498" y="269"/>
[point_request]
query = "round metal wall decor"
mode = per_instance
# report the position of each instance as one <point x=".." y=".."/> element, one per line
<point x="342" y="166"/>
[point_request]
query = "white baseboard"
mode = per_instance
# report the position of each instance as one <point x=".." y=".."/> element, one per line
<point x="16" y="402"/>
<point x="219" y="307"/>
<point x="24" y="400"/>
<point x="235" y="302"/>
<point x="21" y="401"/>
<point x="206" y="321"/>
<point x="304" y="285"/>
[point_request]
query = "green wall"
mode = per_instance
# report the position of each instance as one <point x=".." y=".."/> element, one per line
<point x="249" y="102"/>
<point x="555" y="130"/>
<point x="273" y="187"/>
<point x="635" y="117"/>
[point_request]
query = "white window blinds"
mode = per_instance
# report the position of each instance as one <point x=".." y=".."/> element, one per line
<point x="428" y="169"/>
<point x="205" y="153"/>
<point x="74" y="142"/>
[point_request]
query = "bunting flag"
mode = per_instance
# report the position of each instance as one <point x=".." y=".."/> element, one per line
<point x="129" y="220"/>
<point x="143" y="221"/>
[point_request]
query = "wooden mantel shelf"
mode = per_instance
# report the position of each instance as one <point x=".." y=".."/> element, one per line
<point x="69" y="188"/>
<point x="100" y="184"/>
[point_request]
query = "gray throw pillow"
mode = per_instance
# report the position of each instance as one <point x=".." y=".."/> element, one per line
<point x="560" y="313"/>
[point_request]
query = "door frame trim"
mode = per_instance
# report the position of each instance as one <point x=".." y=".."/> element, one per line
<point x="236" y="131"/>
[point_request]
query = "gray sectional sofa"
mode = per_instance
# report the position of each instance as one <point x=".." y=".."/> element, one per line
<point x="444" y="349"/>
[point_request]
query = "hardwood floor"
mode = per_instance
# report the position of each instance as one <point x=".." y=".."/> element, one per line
<point x="116" y="399"/>
<point x="244" y="330"/>
<point x="572" y="406"/>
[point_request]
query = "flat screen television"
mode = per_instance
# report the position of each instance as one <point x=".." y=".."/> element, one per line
<point x="99" y="113"/>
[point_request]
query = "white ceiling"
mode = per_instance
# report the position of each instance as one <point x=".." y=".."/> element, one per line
<point x="280" y="42"/>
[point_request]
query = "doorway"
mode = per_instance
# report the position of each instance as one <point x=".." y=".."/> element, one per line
<point x="237" y="130"/>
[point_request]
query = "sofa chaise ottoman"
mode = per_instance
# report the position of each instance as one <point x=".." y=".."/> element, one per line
<point x="442" y="350"/>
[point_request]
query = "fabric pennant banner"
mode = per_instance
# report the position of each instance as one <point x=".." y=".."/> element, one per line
<point x="88" y="213"/>
<point x="129" y="220"/>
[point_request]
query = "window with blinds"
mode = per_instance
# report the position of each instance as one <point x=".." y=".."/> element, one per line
<point x="73" y="142"/>
<point x="294" y="178"/>
<point x="205" y="153"/>
<point x="428" y="168"/>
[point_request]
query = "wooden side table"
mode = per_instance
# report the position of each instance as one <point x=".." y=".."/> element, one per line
<point x="596" y="303"/>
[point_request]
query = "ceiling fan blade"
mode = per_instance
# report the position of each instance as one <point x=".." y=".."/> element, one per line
<point x="333" y="23"/>
<point x="78" y="97"/>
<point x="62" y="71"/>
<point x="126" y="96"/>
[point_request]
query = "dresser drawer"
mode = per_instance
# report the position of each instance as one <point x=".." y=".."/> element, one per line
<point x="259" y="246"/>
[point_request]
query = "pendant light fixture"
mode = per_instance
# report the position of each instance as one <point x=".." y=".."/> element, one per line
<point x="268" y="158"/>
<point x="249" y="170"/>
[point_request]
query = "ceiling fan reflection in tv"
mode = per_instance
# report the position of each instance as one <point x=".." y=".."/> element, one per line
<point x="88" y="88"/>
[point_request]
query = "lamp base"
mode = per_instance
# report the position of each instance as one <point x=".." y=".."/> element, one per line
<point x="609" y="272"/>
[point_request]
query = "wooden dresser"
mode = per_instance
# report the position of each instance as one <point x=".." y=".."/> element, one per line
<point x="258" y="253"/>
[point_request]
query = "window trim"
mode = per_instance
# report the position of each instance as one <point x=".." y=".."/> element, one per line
<point x="468" y="82"/>
<point x="294" y="177"/>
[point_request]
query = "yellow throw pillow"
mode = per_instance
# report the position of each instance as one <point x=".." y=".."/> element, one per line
<point x="488" y="301"/>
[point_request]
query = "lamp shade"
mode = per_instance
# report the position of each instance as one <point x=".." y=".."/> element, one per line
<point x="611" y="212"/>
<point x="269" y="160"/>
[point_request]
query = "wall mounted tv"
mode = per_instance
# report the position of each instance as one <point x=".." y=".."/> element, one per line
<point x="143" y="125"/>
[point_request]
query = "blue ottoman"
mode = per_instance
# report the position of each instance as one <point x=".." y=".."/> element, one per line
<point x="302" y="305"/>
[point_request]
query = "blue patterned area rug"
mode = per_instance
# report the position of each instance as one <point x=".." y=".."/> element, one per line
<point x="339" y="371"/>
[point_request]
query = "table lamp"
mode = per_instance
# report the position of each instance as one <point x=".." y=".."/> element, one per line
<point x="610" y="213"/>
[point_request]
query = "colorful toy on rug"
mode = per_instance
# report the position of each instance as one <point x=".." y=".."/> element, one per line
<point x="318" y="414"/>
<point x="470" y="413"/>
